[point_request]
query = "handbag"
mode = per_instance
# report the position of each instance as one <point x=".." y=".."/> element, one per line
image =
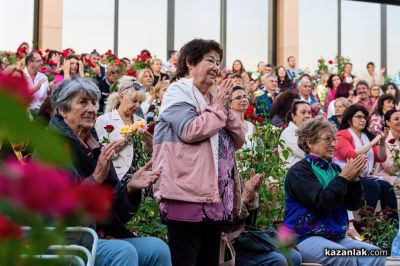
<point x="226" y="244"/>
<point x="255" y="240"/>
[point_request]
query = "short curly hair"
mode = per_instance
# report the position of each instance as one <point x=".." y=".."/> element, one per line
<point x="310" y="130"/>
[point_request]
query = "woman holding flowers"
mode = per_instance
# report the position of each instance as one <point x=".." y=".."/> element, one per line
<point x="75" y="102"/>
<point x="124" y="103"/>
<point x="195" y="140"/>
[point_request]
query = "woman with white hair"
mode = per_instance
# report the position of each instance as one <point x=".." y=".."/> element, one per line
<point x="75" y="102"/>
<point x="120" y="111"/>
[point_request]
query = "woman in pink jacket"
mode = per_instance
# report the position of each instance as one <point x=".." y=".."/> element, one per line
<point x="194" y="143"/>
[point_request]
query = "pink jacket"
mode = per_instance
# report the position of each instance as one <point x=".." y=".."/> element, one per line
<point x="184" y="144"/>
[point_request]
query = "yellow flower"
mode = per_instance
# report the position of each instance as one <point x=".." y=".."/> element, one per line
<point x="258" y="93"/>
<point x="124" y="131"/>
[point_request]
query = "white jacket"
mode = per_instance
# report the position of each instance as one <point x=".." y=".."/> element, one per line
<point x="123" y="160"/>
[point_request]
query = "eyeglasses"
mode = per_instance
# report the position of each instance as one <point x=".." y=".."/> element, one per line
<point x="113" y="72"/>
<point x="360" y="117"/>
<point x="329" y="139"/>
<point x="245" y="97"/>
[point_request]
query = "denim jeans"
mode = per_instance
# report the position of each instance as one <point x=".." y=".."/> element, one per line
<point x="145" y="251"/>
<point x="312" y="250"/>
<point x="272" y="258"/>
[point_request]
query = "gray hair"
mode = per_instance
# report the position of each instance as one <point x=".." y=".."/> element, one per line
<point x="310" y="131"/>
<point x="266" y="76"/>
<point x="301" y="81"/>
<point x="62" y="95"/>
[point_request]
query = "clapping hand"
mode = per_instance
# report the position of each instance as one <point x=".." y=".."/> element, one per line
<point x="224" y="92"/>
<point x="251" y="186"/>
<point x="354" y="167"/>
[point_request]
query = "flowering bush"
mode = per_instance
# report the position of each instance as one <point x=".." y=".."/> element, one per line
<point x="263" y="158"/>
<point x="340" y="62"/>
<point x="8" y="58"/>
<point x="34" y="193"/>
<point x="141" y="61"/>
<point x="323" y="67"/>
<point x="108" y="58"/>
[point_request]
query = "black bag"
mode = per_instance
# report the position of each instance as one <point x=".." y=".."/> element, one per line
<point x="255" y="240"/>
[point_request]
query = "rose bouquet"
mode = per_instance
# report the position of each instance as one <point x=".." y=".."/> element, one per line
<point x="135" y="134"/>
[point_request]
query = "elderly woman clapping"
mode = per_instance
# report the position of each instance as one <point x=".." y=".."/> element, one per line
<point x="120" y="111"/>
<point x="75" y="102"/>
<point x="194" y="143"/>
<point x="318" y="194"/>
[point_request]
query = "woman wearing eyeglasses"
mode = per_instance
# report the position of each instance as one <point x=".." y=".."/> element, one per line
<point x="352" y="141"/>
<point x="300" y="112"/>
<point x="123" y="105"/>
<point x="318" y="195"/>
<point x="239" y="104"/>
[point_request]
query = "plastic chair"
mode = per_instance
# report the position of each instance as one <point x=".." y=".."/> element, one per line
<point x="90" y="255"/>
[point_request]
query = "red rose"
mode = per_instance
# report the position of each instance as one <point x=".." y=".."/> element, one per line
<point x="65" y="53"/>
<point x="43" y="70"/>
<point x="47" y="50"/>
<point x="392" y="141"/>
<point x="330" y="62"/>
<point x="52" y="63"/>
<point x="8" y="229"/>
<point x="7" y="54"/>
<point x="109" y="51"/>
<point x="260" y="119"/>
<point x="109" y="128"/>
<point x="131" y="72"/>
<point x="250" y="108"/>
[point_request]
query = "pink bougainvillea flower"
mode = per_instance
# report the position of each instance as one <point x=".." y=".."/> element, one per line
<point x="95" y="200"/>
<point x="41" y="188"/>
<point x="15" y="86"/>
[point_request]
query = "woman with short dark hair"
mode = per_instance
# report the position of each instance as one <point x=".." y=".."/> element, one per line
<point x="195" y="139"/>
<point x="353" y="141"/>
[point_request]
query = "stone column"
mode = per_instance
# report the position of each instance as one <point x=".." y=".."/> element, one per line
<point x="287" y="43"/>
<point x="50" y="24"/>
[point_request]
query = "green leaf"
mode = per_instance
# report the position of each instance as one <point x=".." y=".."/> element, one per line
<point x="16" y="125"/>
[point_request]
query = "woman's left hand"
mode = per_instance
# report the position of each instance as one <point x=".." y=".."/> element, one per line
<point x="251" y="186"/>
